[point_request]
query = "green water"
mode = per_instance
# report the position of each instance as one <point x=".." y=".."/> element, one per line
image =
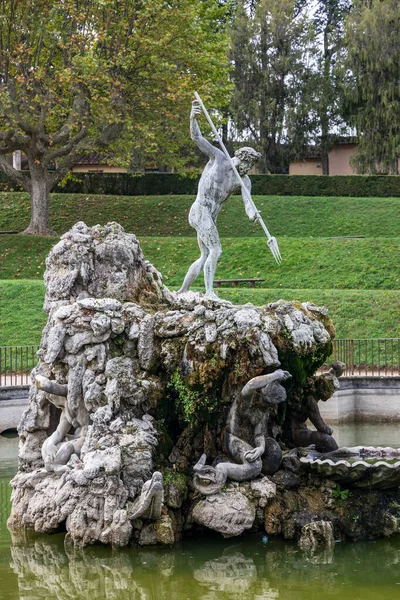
<point x="208" y="568"/>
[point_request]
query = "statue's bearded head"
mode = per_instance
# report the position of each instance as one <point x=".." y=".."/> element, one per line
<point x="247" y="157"/>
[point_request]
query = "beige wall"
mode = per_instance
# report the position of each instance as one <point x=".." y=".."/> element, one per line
<point x="97" y="169"/>
<point x="339" y="159"/>
<point x="339" y="162"/>
<point x="305" y="167"/>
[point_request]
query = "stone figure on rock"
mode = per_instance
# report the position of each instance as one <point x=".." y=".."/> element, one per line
<point x="317" y="388"/>
<point x="245" y="438"/>
<point x="150" y="502"/>
<point x="58" y="448"/>
<point x="216" y="184"/>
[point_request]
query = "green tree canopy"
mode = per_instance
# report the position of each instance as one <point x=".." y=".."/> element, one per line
<point x="372" y="85"/>
<point x="272" y="49"/>
<point x="329" y="19"/>
<point x="114" y="76"/>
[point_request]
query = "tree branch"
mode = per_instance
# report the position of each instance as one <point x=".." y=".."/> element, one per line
<point x="64" y="167"/>
<point x="15" y="175"/>
<point x="251" y="128"/>
<point x="68" y="148"/>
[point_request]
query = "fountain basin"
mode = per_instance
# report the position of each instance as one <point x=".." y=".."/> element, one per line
<point x="360" y="466"/>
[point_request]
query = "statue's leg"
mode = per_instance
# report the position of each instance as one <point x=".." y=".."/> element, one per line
<point x="323" y="442"/>
<point x="272" y="456"/>
<point x="196" y="268"/>
<point x="210" y="238"/>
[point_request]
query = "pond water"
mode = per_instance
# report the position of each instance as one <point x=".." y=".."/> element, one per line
<point x="209" y="568"/>
<point x="367" y="434"/>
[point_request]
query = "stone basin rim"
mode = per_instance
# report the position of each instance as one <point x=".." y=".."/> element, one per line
<point x="371" y="451"/>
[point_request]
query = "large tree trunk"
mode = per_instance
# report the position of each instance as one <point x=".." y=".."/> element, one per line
<point x="39" y="191"/>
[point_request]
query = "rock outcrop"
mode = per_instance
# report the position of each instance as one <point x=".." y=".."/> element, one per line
<point x="134" y="383"/>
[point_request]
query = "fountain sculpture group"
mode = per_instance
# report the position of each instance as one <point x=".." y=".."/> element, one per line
<point x="154" y="414"/>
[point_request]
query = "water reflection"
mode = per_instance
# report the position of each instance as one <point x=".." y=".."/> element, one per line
<point x="204" y="570"/>
<point x="232" y="573"/>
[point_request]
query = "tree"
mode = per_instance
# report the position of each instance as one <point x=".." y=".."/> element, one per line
<point x="372" y="89"/>
<point x="272" y="49"/>
<point x="329" y="19"/>
<point x="106" y="75"/>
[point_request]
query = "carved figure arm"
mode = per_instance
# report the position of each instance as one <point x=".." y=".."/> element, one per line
<point x="315" y="417"/>
<point x="196" y="135"/>
<point x="260" y="432"/>
<point x="50" y="386"/>
<point x="262" y="380"/>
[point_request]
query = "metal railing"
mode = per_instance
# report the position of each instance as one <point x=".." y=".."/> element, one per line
<point x="363" y="357"/>
<point x="368" y="357"/>
<point x="16" y="363"/>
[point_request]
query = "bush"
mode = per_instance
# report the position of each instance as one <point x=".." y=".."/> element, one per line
<point x="156" y="184"/>
<point x="131" y="184"/>
<point x="333" y="185"/>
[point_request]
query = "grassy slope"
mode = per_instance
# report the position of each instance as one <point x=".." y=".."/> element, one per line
<point x="307" y="262"/>
<point x="354" y="312"/>
<point x="167" y="215"/>
<point x="21" y="316"/>
<point x="358" y="279"/>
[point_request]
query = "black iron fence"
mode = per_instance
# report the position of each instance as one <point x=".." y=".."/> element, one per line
<point x="368" y="357"/>
<point x="363" y="357"/>
<point x="16" y="363"/>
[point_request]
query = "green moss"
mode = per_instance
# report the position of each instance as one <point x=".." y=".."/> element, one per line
<point x="186" y="398"/>
<point x="178" y="479"/>
<point x="116" y="346"/>
<point x="302" y="367"/>
<point x="193" y="402"/>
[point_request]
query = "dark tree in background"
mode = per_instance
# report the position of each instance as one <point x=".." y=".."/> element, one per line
<point x="372" y="84"/>
<point x="272" y="49"/>
<point x="329" y="19"/>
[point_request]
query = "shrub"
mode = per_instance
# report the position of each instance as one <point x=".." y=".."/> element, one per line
<point x="156" y="184"/>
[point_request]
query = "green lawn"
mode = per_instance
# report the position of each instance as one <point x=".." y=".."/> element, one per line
<point x="308" y="263"/>
<point x="21" y="312"/>
<point x="324" y="261"/>
<point x="356" y="313"/>
<point x="167" y="215"/>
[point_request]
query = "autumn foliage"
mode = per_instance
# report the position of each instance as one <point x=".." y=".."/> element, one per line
<point x="105" y="75"/>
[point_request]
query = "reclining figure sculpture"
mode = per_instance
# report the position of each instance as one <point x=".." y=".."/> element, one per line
<point x="245" y="438"/>
<point x="58" y="448"/>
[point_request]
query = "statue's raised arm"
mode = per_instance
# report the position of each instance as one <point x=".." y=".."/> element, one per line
<point x="197" y="136"/>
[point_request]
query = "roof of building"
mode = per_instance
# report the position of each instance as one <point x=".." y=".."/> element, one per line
<point x="92" y="159"/>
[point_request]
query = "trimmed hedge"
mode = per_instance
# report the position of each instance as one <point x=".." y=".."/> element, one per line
<point x="364" y="186"/>
<point x="156" y="184"/>
<point x="129" y="184"/>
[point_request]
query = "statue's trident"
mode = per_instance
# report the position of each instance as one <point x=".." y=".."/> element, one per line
<point x="272" y="243"/>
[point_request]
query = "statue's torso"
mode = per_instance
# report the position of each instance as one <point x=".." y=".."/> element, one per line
<point x="216" y="184"/>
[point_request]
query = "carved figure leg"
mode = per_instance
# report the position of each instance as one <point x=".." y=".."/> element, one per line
<point x="51" y="446"/>
<point x="323" y="441"/>
<point x="272" y="457"/>
<point x="209" y="480"/>
<point x="196" y="268"/>
<point x="210" y="238"/>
